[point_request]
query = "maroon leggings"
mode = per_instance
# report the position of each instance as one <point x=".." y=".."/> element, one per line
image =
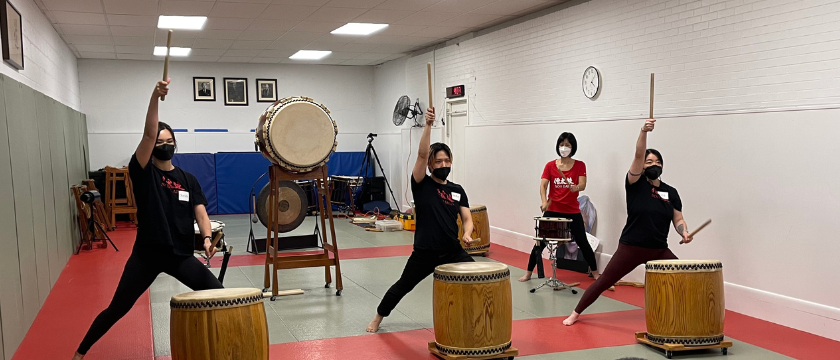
<point x="625" y="259"/>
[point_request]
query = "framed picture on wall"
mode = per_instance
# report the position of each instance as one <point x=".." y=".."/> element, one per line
<point x="266" y="90"/>
<point x="204" y="88"/>
<point x="236" y="91"/>
<point x="12" y="35"/>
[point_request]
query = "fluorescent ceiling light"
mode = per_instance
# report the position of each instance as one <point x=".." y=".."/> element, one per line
<point x="310" y="55"/>
<point x="358" y="29"/>
<point x="174" y="51"/>
<point x="181" y="22"/>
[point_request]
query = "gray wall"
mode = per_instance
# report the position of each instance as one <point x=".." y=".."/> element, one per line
<point x="43" y="150"/>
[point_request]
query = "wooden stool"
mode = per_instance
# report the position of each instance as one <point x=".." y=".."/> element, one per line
<point x="116" y="205"/>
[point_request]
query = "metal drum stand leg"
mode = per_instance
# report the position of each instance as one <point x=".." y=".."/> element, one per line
<point x="553" y="281"/>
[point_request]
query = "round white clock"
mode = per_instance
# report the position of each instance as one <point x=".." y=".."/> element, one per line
<point x="591" y="82"/>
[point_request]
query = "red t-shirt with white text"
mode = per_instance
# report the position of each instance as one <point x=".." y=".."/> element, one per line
<point x="562" y="199"/>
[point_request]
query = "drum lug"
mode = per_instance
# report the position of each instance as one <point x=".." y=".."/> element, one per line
<point x="724" y="350"/>
<point x="668" y="354"/>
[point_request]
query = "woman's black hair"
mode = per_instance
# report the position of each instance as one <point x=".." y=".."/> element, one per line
<point x="655" y="153"/>
<point x="161" y="126"/>
<point x="572" y="141"/>
<point x="436" y="147"/>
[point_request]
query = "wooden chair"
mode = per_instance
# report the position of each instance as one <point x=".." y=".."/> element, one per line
<point x="100" y="213"/>
<point x="116" y="205"/>
<point x="84" y="212"/>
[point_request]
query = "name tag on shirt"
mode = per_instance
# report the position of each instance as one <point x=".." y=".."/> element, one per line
<point x="663" y="195"/>
<point x="456" y="196"/>
<point x="183" y="196"/>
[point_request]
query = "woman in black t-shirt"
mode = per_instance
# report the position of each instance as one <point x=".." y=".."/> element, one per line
<point x="652" y="206"/>
<point x="169" y="202"/>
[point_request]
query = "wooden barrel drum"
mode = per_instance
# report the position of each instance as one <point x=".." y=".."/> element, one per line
<point x="220" y="324"/>
<point x="472" y="309"/>
<point x="481" y="231"/>
<point x="684" y="302"/>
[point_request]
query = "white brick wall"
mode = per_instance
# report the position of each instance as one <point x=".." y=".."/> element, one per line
<point x="49" y="65"/>
<point x="746" y="95"/>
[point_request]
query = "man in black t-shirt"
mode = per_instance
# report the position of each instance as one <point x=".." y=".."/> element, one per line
<point x="437" y="203"/>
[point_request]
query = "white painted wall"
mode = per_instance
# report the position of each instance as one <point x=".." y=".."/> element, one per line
<point x="115" y="95"/>
<point x="49" y="65"/>
<point x="746" y="98"/>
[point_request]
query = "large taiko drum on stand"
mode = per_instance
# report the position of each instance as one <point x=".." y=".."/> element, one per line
<point x="297" y="133"/>
<point x="684" y="302"/>
<point x="481" y="231"/>
<point x="219" y="324"/>
<point x="472" y="309"/>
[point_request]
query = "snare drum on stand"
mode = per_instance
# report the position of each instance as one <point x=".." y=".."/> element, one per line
<point x="552" y="232"/>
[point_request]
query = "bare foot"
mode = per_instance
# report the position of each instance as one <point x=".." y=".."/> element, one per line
<point x="571" y="319"/>
<point x="374" y="324"/>
<point x="78" y="356"/>
<point x="526" y="277"/>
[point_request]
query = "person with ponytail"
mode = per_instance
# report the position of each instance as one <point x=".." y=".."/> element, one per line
<point x="652" y="205"/>
<point x="169" y="202"/>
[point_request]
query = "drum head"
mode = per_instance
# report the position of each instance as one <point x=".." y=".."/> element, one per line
<point x="292" y="208"/>
<point x="302" y="134"/>
<point x="215" y="225"/>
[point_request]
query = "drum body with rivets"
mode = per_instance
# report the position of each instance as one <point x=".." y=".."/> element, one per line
<point x="472" y="309"/>
<point x="219" y="324"/>
<point x="481" y="231"/>
<point x="684" y="302"/>
<point x="297" y="134"/>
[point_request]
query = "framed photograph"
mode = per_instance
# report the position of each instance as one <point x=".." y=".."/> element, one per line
<point x="204" y="88"/>
<point x="236" y="91"/>
<point x="266" y="90"/>
<point x="12" y="35"/>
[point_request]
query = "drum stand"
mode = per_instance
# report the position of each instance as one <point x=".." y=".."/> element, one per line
<point x="552" y="280"/>
<point x="275" y="261"/>
<point x="641" y="338"/>
<point x="226" y="250"/>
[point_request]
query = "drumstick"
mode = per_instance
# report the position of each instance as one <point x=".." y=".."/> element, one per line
<point x="166" y="61"/>
<point x="700" y="228"/>
<point x="651" y="96"/>
<point x="429" y="76"/>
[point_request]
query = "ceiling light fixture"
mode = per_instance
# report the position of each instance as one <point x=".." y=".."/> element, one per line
<point x="181" y="22"/>
<point x="174" y="51"/>
<point x="310" y="55"/>
<point x="358" y="29"/>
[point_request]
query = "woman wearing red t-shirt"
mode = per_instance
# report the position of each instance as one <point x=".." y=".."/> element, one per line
<point x="562" y="202"/>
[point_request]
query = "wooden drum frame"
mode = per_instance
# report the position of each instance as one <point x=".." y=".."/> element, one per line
<point x="481" y="231"/>
<point x="219" y="324"/>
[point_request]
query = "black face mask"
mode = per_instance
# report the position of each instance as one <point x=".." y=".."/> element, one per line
<point x="653" y="172"/>
<point x="441" y="173"/>
<point x="164" y="152"/>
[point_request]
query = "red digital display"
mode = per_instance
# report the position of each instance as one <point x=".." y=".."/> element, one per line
<point x="455" y="91"/>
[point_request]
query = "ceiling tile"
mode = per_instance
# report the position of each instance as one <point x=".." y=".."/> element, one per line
<point x="131" y="7"/>
<point x="359" y="4"/>
<point x="220" y="34"/>
<point x="134" y="57"/>
<point x="356" y="62"/>
<point x="249" y="1"/>
<point x="207" y="52"/>
<point x="358" y="48"/>
<point x="186" y="8"/>
<point x="380" y="39"/>
<point x="74" y="29"/>
<point x="287" y="45"/>
<point x="341" y="55"/>
<point x="342" y="15"/>
<point x="272" y="25"/>
<point x="335" y="39"/>
<point x="407" y="4"/>
<point x="202" y="58"/>
<point x="287" y="12"/>
<point x="67" y="17"/>
<point x="510" y="7"/>
<point x="122" y="49"/>
<point x="371" y="56"/>
<point x="235" y="59"/>
<point x="88" y="6"/>
<point x="241" y="52"/>
<point x="132" y="31"/>
<point x="237" y="10"/>
<point x="94" y="48"/>
<point x="176" y="41"/>
<point x="132" y="20"/>
<point x="322" y="47"/>
<point x="330" y="61"/>
<point x="393" y="57"/>
<point x="177" y="34"/>
<point x="97" y="55"/>
<point x="260" y="35"/>
<point x="250" y="45"/>
<point x="477" y="20"/>
<point x="301" y="2"/>
<point x="319" y="27"/>
<point x="134" y="40"/>
<point x="297" y="37"/>
<point x="278" y="54"/>
<point x="427" y="18"/>
<point x="217" y="23"/>
<point x="401" y="30"/>
<point x="393" y="48"/>
<point x="459" y="6"/>
<point x="212" y="43"/>
<point x="89" y="40"/>
<point x="441" y="32"/>
<point x="418" y="41"/>
<point x="381" y="16"/>
<point x="265" y="60"/>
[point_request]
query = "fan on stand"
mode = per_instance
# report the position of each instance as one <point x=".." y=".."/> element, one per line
<point x="404" y="110"/>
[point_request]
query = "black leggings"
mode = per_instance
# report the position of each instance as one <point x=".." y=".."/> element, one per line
<point x="578" y="235"/>
<point x="139" y="273"/>
<point x="420" y="265"/>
